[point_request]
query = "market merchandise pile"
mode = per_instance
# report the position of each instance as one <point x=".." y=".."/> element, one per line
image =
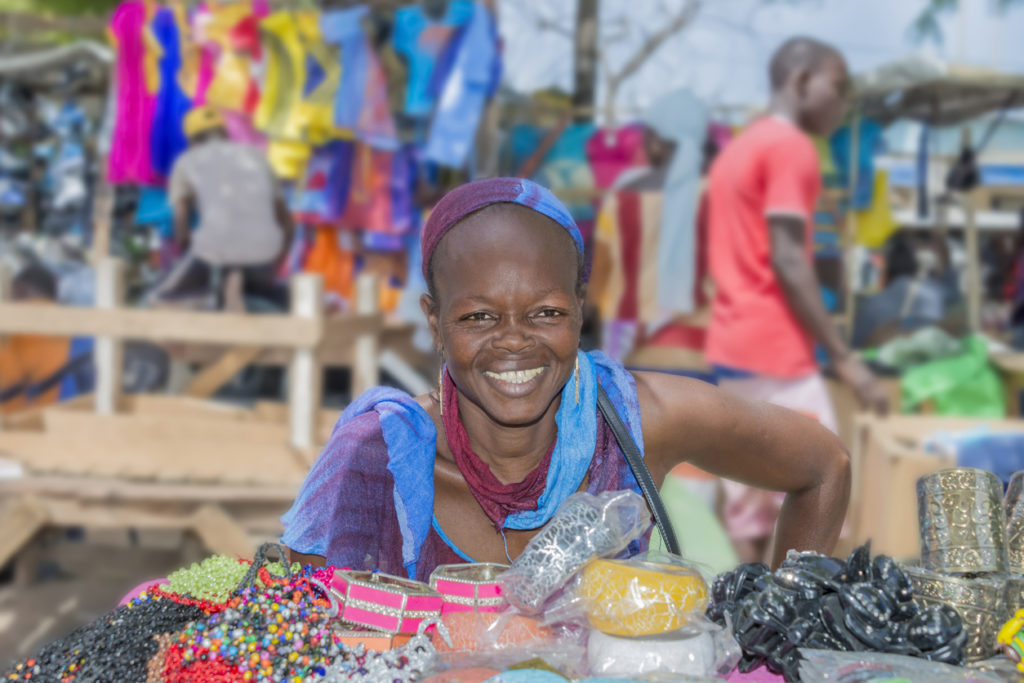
<point x="570" y="606"/>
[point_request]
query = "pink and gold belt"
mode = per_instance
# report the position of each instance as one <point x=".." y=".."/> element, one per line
<point x="384" y="602"/>
<point x="469" y="587"/>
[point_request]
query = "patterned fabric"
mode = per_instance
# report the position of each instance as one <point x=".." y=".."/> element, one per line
<point x="368" y="501"/>
<point x="472" y="197"/>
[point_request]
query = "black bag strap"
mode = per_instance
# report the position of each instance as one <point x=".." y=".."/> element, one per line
<point x="640" y="471"/>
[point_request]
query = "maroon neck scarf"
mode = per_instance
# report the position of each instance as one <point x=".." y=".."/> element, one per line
<point x="497" y="500"/>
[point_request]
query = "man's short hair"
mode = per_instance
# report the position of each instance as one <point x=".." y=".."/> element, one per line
<point x="799" y="52"/>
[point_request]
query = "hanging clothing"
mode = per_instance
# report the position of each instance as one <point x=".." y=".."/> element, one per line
<point x="361" y="103"/>
<point x="683" y="119"/>
<point x="566" y="171"/>
<point x="368" y="501"/>
<point x="612" y="151"/>
<point x="869" y="143"/>
<point x="335" y="264"/>
<point x="421" y="40"/>
<point x="168" y="138"/>
<point x="464" y="95"/>
<point x="37" y="370"/>
<point x="130" y="160"/>
<point x="232" y="44"/>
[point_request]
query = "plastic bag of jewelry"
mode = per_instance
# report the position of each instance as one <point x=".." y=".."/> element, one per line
<point x="700" y="649"/>
<point x="855" y="667"/>
<point x="584" y="527"/>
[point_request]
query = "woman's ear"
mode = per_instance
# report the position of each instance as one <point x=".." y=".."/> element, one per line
<point x="430" y="309"/>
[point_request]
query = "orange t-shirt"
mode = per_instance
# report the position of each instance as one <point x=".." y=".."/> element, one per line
<point x="771" y="168"/>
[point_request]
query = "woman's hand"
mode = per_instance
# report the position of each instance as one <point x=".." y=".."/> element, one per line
<point x="753" y="443"/>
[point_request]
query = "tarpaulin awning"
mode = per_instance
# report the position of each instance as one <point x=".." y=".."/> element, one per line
<point x="934" y="92"/>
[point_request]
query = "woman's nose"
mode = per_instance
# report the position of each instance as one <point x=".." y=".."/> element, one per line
<point x="513" y="337"/>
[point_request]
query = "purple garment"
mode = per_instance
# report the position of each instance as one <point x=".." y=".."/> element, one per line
<point x="368" y="500"/>
<point x="355" y="502"/>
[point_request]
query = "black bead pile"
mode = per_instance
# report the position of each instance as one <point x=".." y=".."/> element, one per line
<point x="813" y="601"/>
<point x="115" y="647"/>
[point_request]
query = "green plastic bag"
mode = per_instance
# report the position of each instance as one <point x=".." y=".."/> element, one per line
<point x="965" y="385"/>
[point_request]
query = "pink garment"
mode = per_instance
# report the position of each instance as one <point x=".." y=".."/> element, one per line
<point x="241" y="129"/>
<point x="611" y="152"/>
<point x="761" y="675"/>
<point x="376" y="124"/>
<point x="720" y="134"/>
<point x="134" y="593"/>
<point x="129" y="160"/>
<point x="751" y="513"/>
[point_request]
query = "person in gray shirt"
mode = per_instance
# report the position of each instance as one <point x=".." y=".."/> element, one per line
<point x="243" y="220"/>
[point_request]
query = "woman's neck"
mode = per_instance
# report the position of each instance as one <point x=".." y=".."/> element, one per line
<point x="511" y="452"/>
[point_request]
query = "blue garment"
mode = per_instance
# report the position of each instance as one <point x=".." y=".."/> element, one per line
<point x="154" y="210"/>
<point x="566" y="168"/>
<point x="411" y="440"/>
<point x="868" y="143"/>
<point x="422" y="40"/>
<point x="683" y="119"/>
<point x="168" y="139"/>
<point x="344" y="29"/>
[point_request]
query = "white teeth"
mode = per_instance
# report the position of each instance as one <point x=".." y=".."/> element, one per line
<point x="515" y="376"/>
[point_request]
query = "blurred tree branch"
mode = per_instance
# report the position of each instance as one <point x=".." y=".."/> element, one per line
<point x="927" y="27"/>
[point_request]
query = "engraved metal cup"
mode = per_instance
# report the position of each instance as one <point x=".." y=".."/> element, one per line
<point x="981" y="602"/>
<point x="1013" y="505"/>
<point x="962" y="522"/>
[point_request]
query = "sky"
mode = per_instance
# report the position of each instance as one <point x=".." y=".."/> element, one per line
<point x="723" y="54"/>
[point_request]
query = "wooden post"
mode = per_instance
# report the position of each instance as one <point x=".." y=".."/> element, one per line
<point x="305" y="377"/>
<point x="973" y="284"/>
<point x="108" y="350"/>
<point x="365" y="373"/>
<point x="848" y="237"/>
<point x="5" y="282"/>
<point x="102" y="215"/>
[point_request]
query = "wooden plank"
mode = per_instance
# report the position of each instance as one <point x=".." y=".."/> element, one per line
<point x="221" y="534"/>
<point x="108" y="351"/>
<point x="153" y="447"/>
<point x="305" y="377"/>
<point x="108" y="489"/>
<point x="214" y="376"/>
<point x="21" y="520"/>
<point x="234" y="329"/>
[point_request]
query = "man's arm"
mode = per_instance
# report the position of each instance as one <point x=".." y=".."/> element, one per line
<point x="286" y="222"/>
<point x="182" y="209"/>
<point x="800" y="287"/>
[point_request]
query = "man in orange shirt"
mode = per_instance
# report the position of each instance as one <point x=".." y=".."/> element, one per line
<point x="38" y="370"/>
<point x="767" y="311"/>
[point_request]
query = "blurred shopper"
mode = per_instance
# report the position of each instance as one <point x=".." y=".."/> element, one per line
<point x="243" y="220"/>
<point x="767" y="310"/>
<point x="38" y="370"/>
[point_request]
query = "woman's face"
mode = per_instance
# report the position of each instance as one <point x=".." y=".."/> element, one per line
<point x="507" y="315"/>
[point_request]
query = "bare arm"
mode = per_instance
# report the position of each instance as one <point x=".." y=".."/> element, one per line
<point x="800" y="288"/>
<point x="182" y="221"/>
<point x="286" y="222"/>
<point x="304" y="559"/>
<point x="754" y="443"/>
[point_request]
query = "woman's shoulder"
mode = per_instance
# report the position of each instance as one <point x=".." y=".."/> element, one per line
<point x="379" y="419"/>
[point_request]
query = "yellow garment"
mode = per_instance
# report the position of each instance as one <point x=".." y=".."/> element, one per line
<point x="153" y="51"/>
<point x="202" y="119"/>
<point x="188" y="72"/>
<point x="315" y="111"/>
<point x="233" y="73"/>
<point x="640" y="598"/>
<point x="875" y="224"/>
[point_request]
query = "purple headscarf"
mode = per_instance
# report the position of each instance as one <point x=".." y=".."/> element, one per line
<point x="471" y="197"/>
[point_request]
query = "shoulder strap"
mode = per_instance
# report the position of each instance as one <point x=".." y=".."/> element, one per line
<point x="639" y="468"/>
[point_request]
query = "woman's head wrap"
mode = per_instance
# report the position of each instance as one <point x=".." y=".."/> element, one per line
<point x="471" y="197"/>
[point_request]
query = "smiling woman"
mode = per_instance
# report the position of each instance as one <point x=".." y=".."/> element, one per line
<point x="473" y="471"/>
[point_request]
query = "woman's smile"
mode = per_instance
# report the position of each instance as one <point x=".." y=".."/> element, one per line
<point x="515" y="383"/>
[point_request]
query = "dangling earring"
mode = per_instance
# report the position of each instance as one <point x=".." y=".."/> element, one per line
<point x="576" y="379"/>
<point x="440" y="387"/>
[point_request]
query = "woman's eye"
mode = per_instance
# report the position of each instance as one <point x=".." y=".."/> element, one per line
<point x="549" y="313"/>
<point x="479" y="316"/>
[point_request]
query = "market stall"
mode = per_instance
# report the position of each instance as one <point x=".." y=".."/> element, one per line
<point x="570" y="606"/>
<point x="937" y="94"/>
